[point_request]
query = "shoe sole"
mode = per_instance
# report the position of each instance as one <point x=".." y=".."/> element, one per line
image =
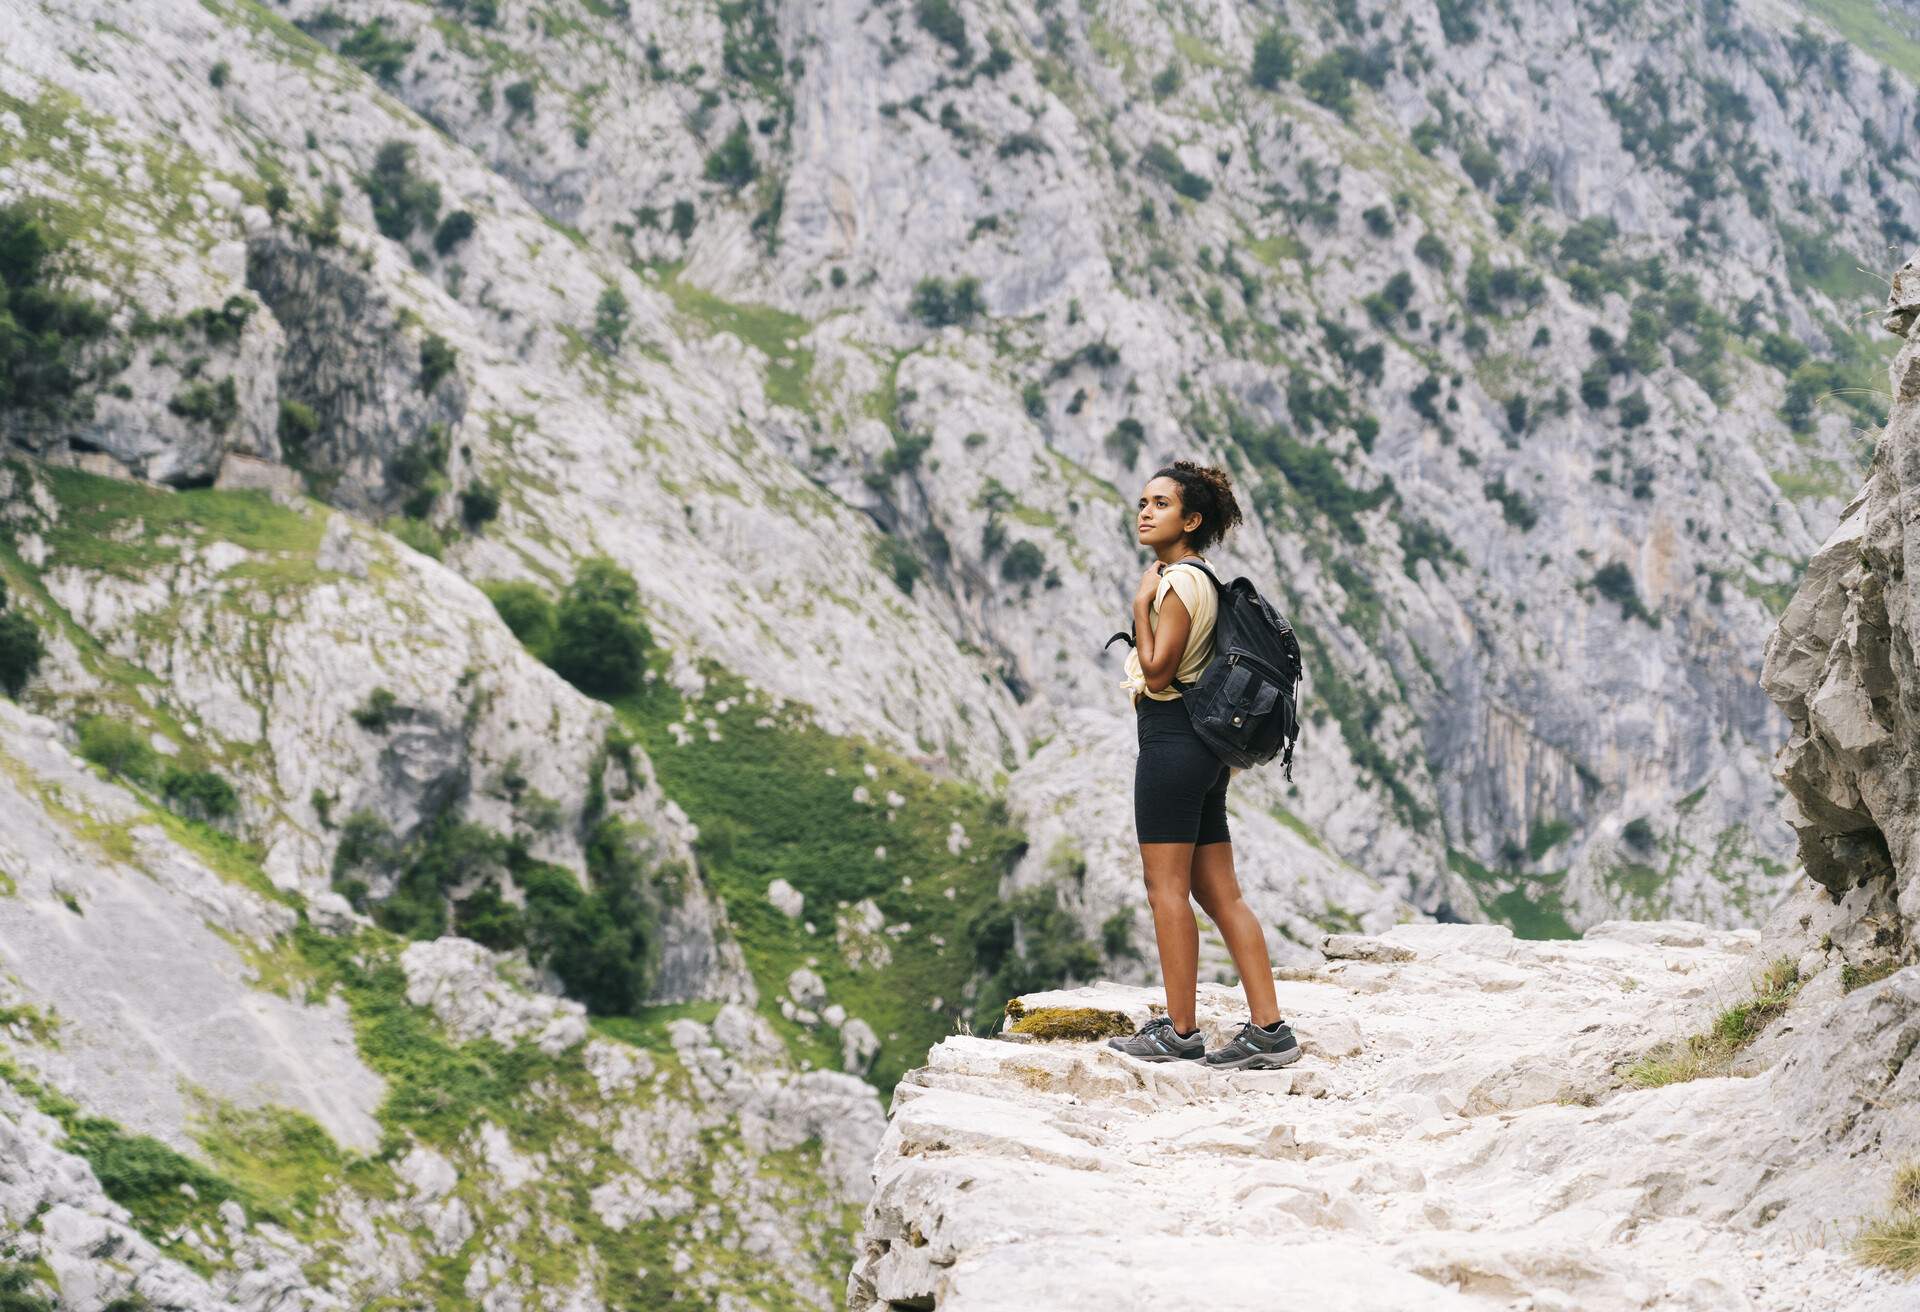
<point x="1140" y="1056"/>
<point x="1259" y="1061"/>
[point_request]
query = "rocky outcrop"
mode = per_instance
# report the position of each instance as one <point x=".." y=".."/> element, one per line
<point x="1842" y="667"/>
<point x="378" y="411"/>
<point x="164" y="1017"/>
<point x="1455" y="1137"/>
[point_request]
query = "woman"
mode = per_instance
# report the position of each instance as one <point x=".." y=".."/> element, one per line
<point x="1180" y="786"/>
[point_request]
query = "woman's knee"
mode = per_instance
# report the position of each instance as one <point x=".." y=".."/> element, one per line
<point x="1167" y="889"/>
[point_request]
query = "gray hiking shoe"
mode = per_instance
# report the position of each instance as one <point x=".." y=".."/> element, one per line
<point x="1157" y="1041"/>
<point x="1255" y="1049"/>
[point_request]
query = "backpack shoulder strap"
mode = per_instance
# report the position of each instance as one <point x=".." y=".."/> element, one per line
<point x="1204" y="570"/>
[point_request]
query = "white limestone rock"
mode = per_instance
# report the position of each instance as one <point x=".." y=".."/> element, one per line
<point x="1469" y="1137"/>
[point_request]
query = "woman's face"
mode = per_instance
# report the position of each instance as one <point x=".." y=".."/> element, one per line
<point x="1161" y="520"/>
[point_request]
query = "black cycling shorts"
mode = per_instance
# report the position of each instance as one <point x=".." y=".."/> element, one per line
<point x="1179" y="785"/>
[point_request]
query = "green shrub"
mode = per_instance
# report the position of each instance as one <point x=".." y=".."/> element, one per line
<point x="222" y="326"/>
<point x="454" y="229"/>
<point x="117" y="747"/>
<point x="16" y="1294"/>
<point x="1272" y="59"/>
<point x="20" y="651"/>
<point x="402" y="202"/>
<point x="216" y="405"/>
<point x="199" y="794"/>
<point x="42" y="331"/>
<point x="1014" y="145"/>
<point x="437" y="359"/>
<point x="1420" y="541"/>
<point x="600" y="644"/>
<point x="374" y="50"/>
<point x="490" y="920"/>
<point x="944" y="24"/>
<point x="1615" y="582"/>
<point x="479" y="504"/>
<point x="1783" y="352"/>
<point x="1163" y="161"/>
<point x="1634" y="410"/>
<point x="732" y="163"/>
<point x="1125" y="440"/>
<point x="1034" y="398"/>
<point x="218" y="74"/>
<point x="683" y="217"/>
<point x="1587" y="241"/>
<point x="1456" y="22"/>
<point x="380" y="709"/>
<point x="519" y="97"/>
<point x="365" y="842"/>
<point x="1432" y="251"/>
<point x="899" y="562"/>
<point x="1379" y="220"/>
<point x="610" y="317"/>
<point x="1480" y="164"/>
<point x="1166" y="82"/>
<point x="417" y="472"/>
<point x="938" y="304"/>
<point x="1327" y="82"/>
<point x="142" y="1174"/>
<point x="526" y="610"/>
<point x="1513" y="507"/>
<point x="1638" y="833"/>
<point x="298" y="423"/>
<point x="1594" y="381"/>
<point x="1516" y="409"/>
<point x="1023" y="563"/>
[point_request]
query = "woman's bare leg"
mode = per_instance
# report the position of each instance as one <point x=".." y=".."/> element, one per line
<point x="1169" y="890"/>
<point x="1218" y="893"/>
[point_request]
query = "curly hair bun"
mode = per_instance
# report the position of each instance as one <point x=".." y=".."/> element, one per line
<point x="1207" y="491"/>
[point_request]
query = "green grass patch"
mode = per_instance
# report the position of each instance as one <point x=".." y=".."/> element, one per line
<point x="775" y="797"/>
<point x="1892" y="1240"/>
<point x="1529" y="904"/>
<point x="1299" y="826"/>
<point x="1883" y="31"/>
<point x="1858" y="977"/>
<point x="1711" y="1054"/>
<point x="128" y="528"/>
<point x="789" y="368"/>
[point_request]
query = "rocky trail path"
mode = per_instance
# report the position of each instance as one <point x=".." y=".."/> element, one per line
<point x="1459" y="1135"/>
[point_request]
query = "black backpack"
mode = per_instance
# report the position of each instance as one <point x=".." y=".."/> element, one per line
<point x="1244" y="705"/>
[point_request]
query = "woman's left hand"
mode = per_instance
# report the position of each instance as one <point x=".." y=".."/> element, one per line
<point x="1149" y="583"/>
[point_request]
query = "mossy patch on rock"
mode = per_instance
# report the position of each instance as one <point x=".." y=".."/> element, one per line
<point x="1049" y="1023"/>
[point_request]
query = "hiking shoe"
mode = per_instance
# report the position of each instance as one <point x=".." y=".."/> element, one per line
<point x="1255" y="1049"/>
<point x="1157" y="1041"/>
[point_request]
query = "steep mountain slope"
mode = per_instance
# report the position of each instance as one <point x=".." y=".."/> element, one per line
<point x="1455" y="292"/>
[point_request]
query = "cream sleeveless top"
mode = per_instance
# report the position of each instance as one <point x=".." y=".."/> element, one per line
<point x="1203" y="605"/>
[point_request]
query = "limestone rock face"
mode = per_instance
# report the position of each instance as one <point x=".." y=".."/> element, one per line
<point x="1456" y="1126"/>
<point x="1841" y="666"/>
<point x="357" y="370"/>
<point x="1532" y="596"/>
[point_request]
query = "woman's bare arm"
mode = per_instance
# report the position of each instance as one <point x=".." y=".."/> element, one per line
<point x="1160" y="652"/>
